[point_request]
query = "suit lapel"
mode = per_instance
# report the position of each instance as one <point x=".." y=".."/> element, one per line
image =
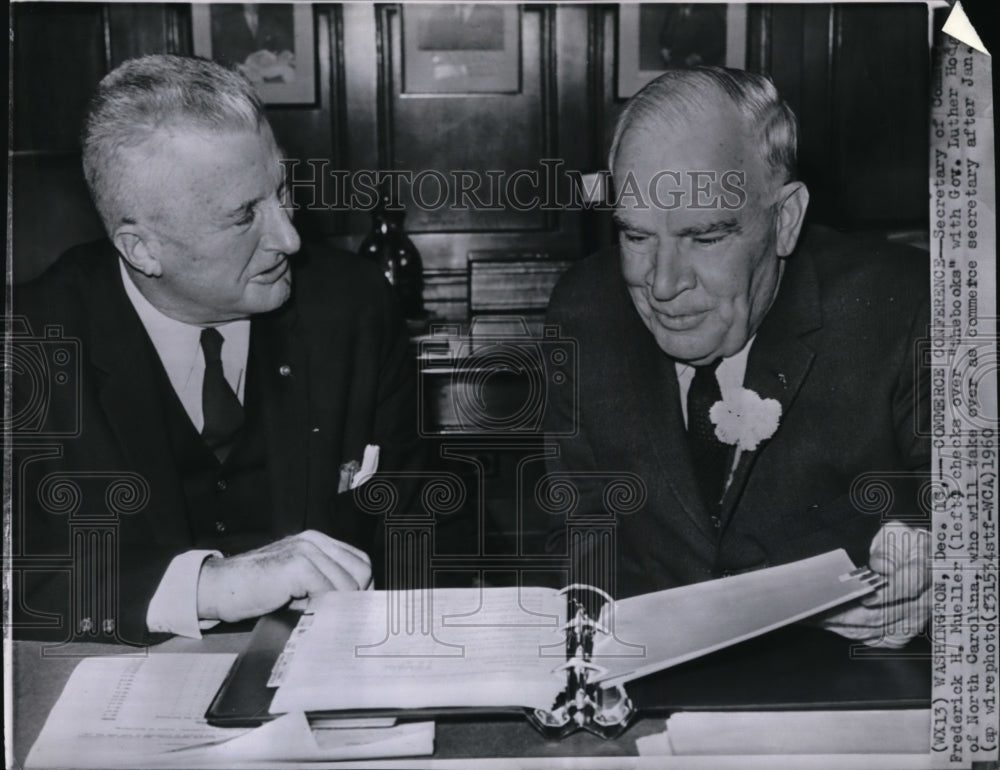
<point x="280" y="365"/>
<point x="780" y="357"/>
<point x="129" y="393"/>
<point x="653" y="380"/>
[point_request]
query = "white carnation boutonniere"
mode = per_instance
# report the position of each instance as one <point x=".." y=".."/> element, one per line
<point x="744" y="419"/>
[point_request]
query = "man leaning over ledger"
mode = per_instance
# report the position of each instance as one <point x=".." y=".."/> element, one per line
<point x="760" y="378"/>
<point x="229" y="391"/>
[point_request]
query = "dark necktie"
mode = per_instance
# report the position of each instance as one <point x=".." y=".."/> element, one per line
<point x="221" y="408"/>
<point x="708" y="455"/>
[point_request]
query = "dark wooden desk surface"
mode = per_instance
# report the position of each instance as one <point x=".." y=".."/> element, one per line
<point x="775" y="671"/>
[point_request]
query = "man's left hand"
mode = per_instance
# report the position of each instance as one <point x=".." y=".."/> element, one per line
<point x="899" y="610"/>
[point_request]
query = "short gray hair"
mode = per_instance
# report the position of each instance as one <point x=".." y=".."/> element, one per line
<point x="681" y="93"/>
<point x="149" y="94"/>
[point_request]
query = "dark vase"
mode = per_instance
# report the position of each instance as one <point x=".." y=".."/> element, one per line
<point x="388" y="246"/>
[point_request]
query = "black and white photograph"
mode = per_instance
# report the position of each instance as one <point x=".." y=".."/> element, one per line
<point x="653" y="37"/>
<point x="461" y="27"/>
<point x="682" y="35"/>
<point x="461" y="48"/>
<point x="270" y="43"/>
<point x="500" y="385"/>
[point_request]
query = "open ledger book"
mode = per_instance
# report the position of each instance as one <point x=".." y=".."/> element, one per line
<point x="535" y="648"/>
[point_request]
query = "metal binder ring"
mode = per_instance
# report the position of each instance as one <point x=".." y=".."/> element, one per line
<point x="584" y="587"/>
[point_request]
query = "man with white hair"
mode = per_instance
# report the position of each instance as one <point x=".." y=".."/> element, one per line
<point x="752" y="382"/>
<point x="239" y="393"/>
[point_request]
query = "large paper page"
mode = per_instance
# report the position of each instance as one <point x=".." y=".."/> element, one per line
<point x="653" y="631"/>
<point x="451" y="647"/>
<point x="126" y="711"/>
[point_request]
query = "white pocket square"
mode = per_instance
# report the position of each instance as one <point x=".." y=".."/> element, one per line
<point x="353" y="474"/>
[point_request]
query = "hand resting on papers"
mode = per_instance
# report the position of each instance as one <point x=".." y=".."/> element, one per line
<point x="898" y="611"/>
<point x="254" y="583"/>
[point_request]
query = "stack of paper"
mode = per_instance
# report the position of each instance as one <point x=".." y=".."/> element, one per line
<point x="506" y="647"/>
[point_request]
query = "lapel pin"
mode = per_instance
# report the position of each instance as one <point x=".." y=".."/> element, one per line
<point x="285" y="370"/>
<point x="782" y="379"/>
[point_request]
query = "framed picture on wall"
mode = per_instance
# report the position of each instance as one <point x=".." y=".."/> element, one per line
<point x="272" y="43"/>
<point x="655" y="36"/>
<point x="461" y="48"/>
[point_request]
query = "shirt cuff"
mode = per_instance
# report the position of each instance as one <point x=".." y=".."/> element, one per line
<point x="174" y="607"/>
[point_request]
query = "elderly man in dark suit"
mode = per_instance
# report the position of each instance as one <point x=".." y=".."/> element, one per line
<point x="752" y="382"/>
<point x="226" y="397"/>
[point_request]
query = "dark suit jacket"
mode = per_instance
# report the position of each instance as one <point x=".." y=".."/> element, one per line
<point x="335" y="373"/>
<point x="838" y="350"/>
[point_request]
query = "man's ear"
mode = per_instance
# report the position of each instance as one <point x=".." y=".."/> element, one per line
<point x="793" y="200"/>
<point x="138" y="248"/>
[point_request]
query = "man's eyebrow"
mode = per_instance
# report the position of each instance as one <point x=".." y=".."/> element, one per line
<point x="724" y="227"/>
<point x="243" y="207"/>
<point x="279" y="188"/>
<point x="622" y="223"/>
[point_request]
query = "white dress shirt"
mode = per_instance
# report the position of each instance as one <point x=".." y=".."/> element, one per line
<point x="729" y="374"/>
<point x="174" y="607"/>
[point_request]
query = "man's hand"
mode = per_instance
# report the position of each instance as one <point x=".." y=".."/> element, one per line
<point x="899" y="610"/>
<point x="254" y="583"/>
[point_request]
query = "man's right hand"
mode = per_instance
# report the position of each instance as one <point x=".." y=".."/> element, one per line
<point x="254" y="583"/>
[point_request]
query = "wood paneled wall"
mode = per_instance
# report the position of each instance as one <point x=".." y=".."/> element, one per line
<point x="857" y="75"/>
